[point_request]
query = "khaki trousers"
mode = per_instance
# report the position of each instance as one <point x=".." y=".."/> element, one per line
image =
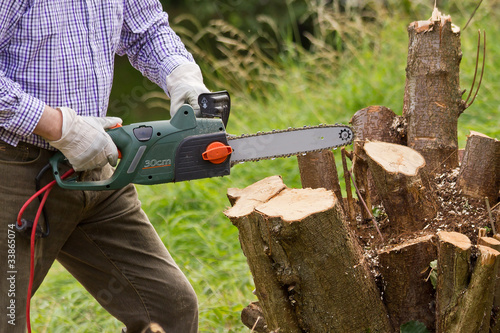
<point x="103" y="238"/>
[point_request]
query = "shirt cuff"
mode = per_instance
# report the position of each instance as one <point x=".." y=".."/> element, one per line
<point x="26" y="117"/>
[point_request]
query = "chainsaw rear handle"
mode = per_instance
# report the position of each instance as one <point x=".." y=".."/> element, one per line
<point x="119" y="178"/>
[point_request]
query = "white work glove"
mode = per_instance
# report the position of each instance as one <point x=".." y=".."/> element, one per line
<point x="84" y="142"/>
<point x="184" y="85"/>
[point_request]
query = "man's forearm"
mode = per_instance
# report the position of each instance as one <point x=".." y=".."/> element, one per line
<point x="50" y="125"/>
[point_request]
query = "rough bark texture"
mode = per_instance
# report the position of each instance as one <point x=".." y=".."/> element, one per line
<point x="318" y="170"/>
<point x="401" y="183"/>
<point x="273" y="296"/>
<point x="479" y="175"/>
<point x="454" y="252"/>
<point x="473" y="311"/>
<point x="375" y="123"/>
<point x="309" y="271"/>
<point x="494" y="244"/>
<point x="408" y="293"/>
<point x="433" y="102"/>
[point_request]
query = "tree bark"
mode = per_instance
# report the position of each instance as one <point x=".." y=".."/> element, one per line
<point x="375" y="123"/>
<point x="318" y="170"/>
<point x="473" y="312"/>
<point x="408" y="293"/>
<point x="479" y="175"/>
<point x="404" y="188"/>
<point x="432" y="101"/>
<point x="331" y="288"/>
<point x="454" y="250"/>
<point x="256" y="244"/>
<point x="494" y="244"/>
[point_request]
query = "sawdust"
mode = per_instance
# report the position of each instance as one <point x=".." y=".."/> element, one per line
<point x="456" y="213"/>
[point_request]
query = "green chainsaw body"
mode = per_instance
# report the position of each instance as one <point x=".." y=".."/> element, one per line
<point x="158" y="152"/>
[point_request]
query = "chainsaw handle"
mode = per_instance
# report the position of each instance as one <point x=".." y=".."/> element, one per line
<point x="121" y="141"/>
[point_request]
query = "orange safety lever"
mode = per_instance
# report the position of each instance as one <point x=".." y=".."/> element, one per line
<point x="217" y="152"/>
<point x="117" y="126"/>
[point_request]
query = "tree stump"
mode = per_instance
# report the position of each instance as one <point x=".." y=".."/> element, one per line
<point x="479" y="175"/>
<point x="318" y="170"/>
<point x="401" y="183"/>
<point x="432" y="101"/>
<point x="408" y="293"/>
<point x="494" y="244"/>
<point x="474" y="307"/>
<point x="309" y="272"/>
<point x="464" y="302"/>
<point x="374" y="123"/>
<point x="454" y="250"/>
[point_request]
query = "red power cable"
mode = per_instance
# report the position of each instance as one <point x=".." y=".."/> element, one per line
<point x="46" y="190"/>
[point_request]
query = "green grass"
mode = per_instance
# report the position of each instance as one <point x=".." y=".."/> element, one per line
<point x="295" y="88"/>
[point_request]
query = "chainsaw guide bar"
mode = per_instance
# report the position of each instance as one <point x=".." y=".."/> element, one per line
<point x="285" y="143"/>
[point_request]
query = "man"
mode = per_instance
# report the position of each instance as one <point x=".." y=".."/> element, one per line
<point x="56" y="69"/>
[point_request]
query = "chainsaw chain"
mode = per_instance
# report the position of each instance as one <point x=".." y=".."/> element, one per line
<point x="350" y="139"/>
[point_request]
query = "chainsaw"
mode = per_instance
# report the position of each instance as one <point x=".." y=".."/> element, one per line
<point x="187" y="147"/>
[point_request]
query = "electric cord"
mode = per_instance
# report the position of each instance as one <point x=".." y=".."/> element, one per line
<point x="38" y="179"/>
<point x="44" y="194"/>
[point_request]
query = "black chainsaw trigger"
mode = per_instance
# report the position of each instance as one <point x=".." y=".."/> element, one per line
<point x="215" y="105"/>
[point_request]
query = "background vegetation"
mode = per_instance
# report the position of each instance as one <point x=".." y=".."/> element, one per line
<point x="285" y="63"/>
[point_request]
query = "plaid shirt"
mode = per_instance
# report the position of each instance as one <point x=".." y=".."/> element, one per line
<point x="61" y="53"/>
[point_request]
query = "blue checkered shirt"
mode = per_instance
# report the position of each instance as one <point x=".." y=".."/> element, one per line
<point x="61" y="53"/>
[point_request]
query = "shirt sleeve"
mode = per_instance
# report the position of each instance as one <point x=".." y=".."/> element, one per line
<point x="19" y="111"/>
<point x="149" y="42"/>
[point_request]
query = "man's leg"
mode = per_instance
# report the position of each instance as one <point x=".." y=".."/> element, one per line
<point x="118" y="257"/>
<point x="18" y="168"/>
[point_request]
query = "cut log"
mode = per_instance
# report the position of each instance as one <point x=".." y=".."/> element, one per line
<point x="489" y="242"/>
<point x="479" y="175"/>
<point x="374" y="123"/>
<point x="269" y="289"/>
<point x="255" y="194"/>
<point x="403" y="186"/>
<point x="318" y="170"/>
<point x="494" y="244"/>
<point x="253" y="318"/>
<point x="454" y="250"/>
<point x="473" y="312"/>
<point x="408" y="293"/>
<point x="433" y="98"/>
<point x="309" y="272"/>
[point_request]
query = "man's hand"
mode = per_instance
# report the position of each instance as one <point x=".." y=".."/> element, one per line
<point x="184" y="85"/>
<point x="84" y="142"/>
